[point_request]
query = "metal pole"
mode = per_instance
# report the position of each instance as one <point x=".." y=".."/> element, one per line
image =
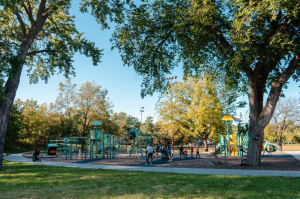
<point x="85" y="148"/>
<point x="76" y="147"/>
<point x="71" y="143"/>
<point x="215" y="150"/>
<point x="220" y="138"/>
<point x="66" y="148"/>
<point x="103" y="145"/>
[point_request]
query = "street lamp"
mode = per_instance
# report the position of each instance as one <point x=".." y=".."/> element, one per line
<point x="170" y="79"/>
<point x="142" y="110"/>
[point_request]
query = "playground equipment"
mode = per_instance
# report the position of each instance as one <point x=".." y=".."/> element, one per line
<point x="232" y="144"/>
<point x="51" y="150"/>
<point x="67" y="147"/>
<point x="99" y="143"/>
<point x="268" y="146"/>
<point x="136" y="134"/>
<point x="237" y="144"/>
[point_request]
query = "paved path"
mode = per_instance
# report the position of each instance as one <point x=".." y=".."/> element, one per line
<point x="21" y="159"/>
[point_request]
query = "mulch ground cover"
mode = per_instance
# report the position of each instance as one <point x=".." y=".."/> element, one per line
<point x="234" y="162"/>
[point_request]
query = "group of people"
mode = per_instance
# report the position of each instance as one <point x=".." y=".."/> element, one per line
<point x="183" y="152"/>
<point x="169" y="151"/>
<point x="160" y="149"/>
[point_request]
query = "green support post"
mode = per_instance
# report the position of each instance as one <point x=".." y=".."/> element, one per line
<point x="76" y="147"/>
<point x="66" y="148"/>
<point x="228" y="141"/>
<point x="220" y="139"/>
<point x="225" y="148"/>
<point x="215" y="150"/>
<point x="146" y="147"/>
<point x="107" y="144"/>
<point x="85" y="148"/>
<point x="113" y="142"/>
<point x="71" y="143"/>
<point x="103" y="145"/>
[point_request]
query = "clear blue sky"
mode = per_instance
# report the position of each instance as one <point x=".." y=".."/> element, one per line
<point x="122" y="83"/>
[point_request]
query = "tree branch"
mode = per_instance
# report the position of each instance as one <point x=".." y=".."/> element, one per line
<point x="41" y="51"/>
<point x="21" y="23"/>
<point x="29" y="12"/>
<point x="7" y="42"/>
<point x="219" y="35"/>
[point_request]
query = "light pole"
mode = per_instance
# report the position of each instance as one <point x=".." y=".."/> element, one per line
<point x="142" y="110"/>
<point x="170" y="79"/>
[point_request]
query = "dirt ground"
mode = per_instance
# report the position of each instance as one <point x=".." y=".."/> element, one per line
<point x="233" y="162"/>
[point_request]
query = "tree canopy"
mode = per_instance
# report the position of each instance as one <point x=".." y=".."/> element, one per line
<point x="255" y="44"/>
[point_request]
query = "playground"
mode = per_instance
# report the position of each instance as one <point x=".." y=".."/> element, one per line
<point x="106" y="149"/>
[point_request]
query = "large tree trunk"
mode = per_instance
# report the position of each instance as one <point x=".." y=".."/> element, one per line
<point x="259" y="118"/>
<point x="11" y="87"/>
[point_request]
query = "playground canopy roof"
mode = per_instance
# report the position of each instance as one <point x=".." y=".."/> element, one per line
<point x="230" y="118"/>
<point x="53" y="145"/>
<point x="96" y="123"/>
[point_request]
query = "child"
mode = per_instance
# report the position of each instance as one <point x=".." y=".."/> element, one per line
<point x="192" y="150"/>
<point x="185" y="152"/>
<point x="172" y="151"/>
<point x="180" y="151"/>
<point x="150" y="153"/>
<point x="197" y="152"/>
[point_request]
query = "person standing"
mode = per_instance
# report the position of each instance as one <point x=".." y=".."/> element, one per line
<point x="169" y="153"/>
<point x="157" y="149"/>
<point x="180" y="150"/>
<point x="150" y="153"/>
<point x="192" y="151"/>
<point x="197" y="152"/>
<point x="172" y="151"/>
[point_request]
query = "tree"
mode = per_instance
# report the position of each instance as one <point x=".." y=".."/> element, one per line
<point x="30" y="117"/>
<point x="254" y="43"/>
<point x="91" y="104"/>
<point x="14" y="127"/>
<point x="198" y="108"/>
<point x="285" y="115"/>
<point x="148" y="126"/>
<point x="42" y="35"/>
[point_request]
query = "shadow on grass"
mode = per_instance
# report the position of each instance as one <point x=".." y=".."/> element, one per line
<point x="39" y="181"/>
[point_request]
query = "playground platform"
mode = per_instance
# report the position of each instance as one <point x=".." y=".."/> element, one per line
<point x="199" y="171"/>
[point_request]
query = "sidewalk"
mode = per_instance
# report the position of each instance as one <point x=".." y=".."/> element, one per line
<point x="21" y="159"/>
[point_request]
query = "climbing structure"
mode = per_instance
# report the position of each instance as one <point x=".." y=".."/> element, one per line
<point x="232" y="144"/>
<point x="101" y="144"/>
<point x="136" y="135"/>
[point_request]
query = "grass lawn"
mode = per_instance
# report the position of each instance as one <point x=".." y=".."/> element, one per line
<point x="38" y="181"/>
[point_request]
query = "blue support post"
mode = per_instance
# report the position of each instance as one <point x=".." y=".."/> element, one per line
<point x="215" y="150"/>
<point x="139" y="145"/>
<point x="146" y="147"/>
<point x="220" y="139"/>
<point x="66" y="148"/>
<point x="103" y="145"/>
<point x="71" y="143"/>
<point x="85" y="148"/>
<point x="76" y="147"/>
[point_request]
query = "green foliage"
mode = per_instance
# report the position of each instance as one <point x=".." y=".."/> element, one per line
<point x="42" y="35"/>
<point x="230" y="37"/>
<point x="194" y="108"/>
<point x="15" y="125"/>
